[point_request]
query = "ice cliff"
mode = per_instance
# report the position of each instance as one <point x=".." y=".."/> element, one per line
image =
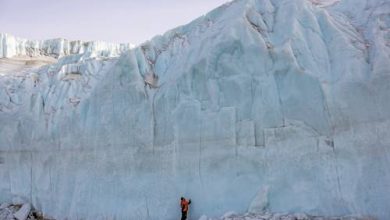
<point x="11" y="46"/>
<point x="261" y="105"/>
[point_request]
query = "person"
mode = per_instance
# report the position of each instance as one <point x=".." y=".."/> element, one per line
<point x="184" y="204"/>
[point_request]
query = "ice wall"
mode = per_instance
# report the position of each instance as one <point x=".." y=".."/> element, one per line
<point x="279" y="99"/>
<point x="11" y="46"/>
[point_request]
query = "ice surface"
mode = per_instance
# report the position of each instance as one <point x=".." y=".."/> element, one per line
<point x="287" y="96"/>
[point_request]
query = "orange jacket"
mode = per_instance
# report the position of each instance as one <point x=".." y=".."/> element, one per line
<point x="184" y="205"/>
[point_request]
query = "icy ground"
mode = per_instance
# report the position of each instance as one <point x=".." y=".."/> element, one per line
<point x="279" y="216"/>
<point x="259" y="105"/>
<point x="24" y="211"/>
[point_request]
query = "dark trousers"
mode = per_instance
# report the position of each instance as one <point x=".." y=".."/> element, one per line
<point x="183" y="215"/>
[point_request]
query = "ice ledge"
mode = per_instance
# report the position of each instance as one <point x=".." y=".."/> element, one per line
<point x="324" y="3"/>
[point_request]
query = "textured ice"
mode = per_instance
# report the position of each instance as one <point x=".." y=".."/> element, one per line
<point x="287" y="96"/>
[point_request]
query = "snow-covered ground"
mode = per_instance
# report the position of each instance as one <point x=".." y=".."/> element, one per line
<point x="259" y="105"/>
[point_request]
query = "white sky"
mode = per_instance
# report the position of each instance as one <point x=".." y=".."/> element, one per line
<point x="133" y="21"/>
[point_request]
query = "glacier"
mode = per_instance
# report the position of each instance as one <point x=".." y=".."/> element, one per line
<point x="12" y="46"/>
<point x="274" y="105"/>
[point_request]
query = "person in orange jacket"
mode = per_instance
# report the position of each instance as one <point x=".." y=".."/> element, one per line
<point x="184" y="204"/>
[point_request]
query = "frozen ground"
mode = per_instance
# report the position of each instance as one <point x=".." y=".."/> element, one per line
<point x="259" y="105"/>
<point x="24" y="211"/>
<point x="279" y="216"/>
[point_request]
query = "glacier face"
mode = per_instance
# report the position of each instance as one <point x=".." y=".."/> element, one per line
<point x="11" y="46"/>
<point x="280" y="99"/>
